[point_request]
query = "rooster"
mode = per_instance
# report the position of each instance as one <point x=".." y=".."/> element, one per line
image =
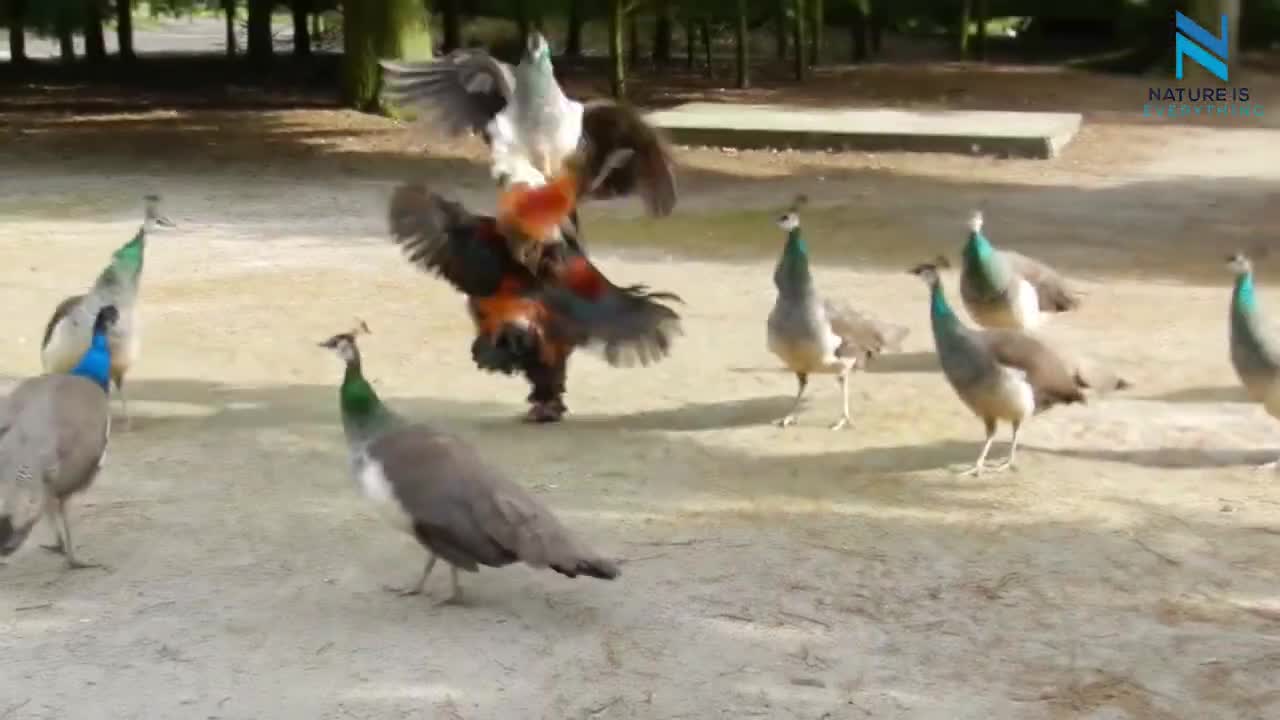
<point x="532" y="293"/>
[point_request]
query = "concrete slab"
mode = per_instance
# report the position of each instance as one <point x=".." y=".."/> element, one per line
<point x="1010" y="134"/>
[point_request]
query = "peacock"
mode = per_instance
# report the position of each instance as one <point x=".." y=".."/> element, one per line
<point x="813" y="334"/>
<point x="53" y="436"/>
<point x="1255" y="353"/>
<point x="1006" y="289"/>
<point x="437" y="488"/>
<point x="1000" y="374"/>
<point x="67" y="334"/>
<point x="531" y="127"/>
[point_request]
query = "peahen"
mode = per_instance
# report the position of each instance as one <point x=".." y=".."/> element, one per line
<point x="437" y="488"/>
<point x="53" y="436"/>
<point x="67" y="336"/>
<point x="813" y="334"/>
<point x="1000" y="374"/>
<point x="1006" y="289"/>
<point x="1255" y="353"/>
<point x="531" y="127"/>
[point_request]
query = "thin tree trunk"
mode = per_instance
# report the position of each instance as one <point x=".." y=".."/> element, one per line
<point x="780" y="29"/>
<point x="980" y="41"/>
<point x="617" y="66"/>
<point x="859" y="28"/>
<point x="124" y="29"/>
<point x="574" y="45"/>
<point x="704" y="29"/>
<point x="742" y="41"/>
<point x="451" y="19"/>
<point x="800" y="42"/>
<point x="966" y="16"/>
<point x="229" y="17"/>
<point x="376" y="30"/>
<point x="817" y="26"/>
<point x="17" y="31"/>
<point x="633" y="40"/>
<point x="522" y="20"/>
<point x="66" y="36"/>
<point x="877" y="25"/>
<point x="690" y="42"/>
<point x="662" y="33"/>
<point x="301" y="32"/>
<point x="260" y="50"/>
<point x="95" y="45"/>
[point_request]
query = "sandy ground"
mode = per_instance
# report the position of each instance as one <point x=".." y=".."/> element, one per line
<point x="1126" y="571"/>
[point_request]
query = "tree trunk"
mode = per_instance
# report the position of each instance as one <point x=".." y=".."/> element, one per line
<point x="124" y="29"/>
<point x="742" y="43"/>
<point x="859" y="30"/>
<point x="980" y="41"/>
<point x="17" y="31"/>
<point x="229" y="17"/>
<point x="95" y="45"/>
<point x="877" y="25"/>
<point x="522" y="20"/>
<point x="65" y="30"/>
<point x="451" y="20"/>
<point x="817" y="27"/>
<point x="574" y="48"/>
<point x="690" y="38"/>
<point x="704" y="29"/>
<point x="662" y="33"/>
<point x="395" y="29"/>
<point x="260" y="50"/>
<point x="801" y="64"/>
<point x="633" y="40"/>
<point x="617" y="68"/>
<point x="1208" y="14"/>
<point x="962" y="39"/>
<point x="780" y="30"/>
<point x="301" y="32"/>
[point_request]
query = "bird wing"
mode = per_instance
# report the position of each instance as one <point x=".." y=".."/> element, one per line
<point x="607" y="128"/>
<point x="442" y="237"/>
<point x="62" y="310"/>
<point x="861" y="334"/>
<point x="464" y="90"/>
<point x="1051" y="289"/>
<point x="1052" y="378"/>
<point x="477" y="514"/>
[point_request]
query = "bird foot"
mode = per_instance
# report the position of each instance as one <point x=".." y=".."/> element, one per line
<point x="1002" y="466"/>
<point x="454" y="599"/>
<point x="974" y="471"/>
<point x="545" y="412"/>
<point x="840" y="424"/>
<point x="55" y="549"/>
<point x="787" y="421"/>
<point x="74" y="564"/>
<point x="402" y="592"/>
<point x="1273" y="465"/>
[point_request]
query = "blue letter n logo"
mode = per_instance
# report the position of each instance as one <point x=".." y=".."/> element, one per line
<point x="1196" y="50"/>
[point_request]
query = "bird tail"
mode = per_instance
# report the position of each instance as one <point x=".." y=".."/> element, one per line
<point x="596" y="567"/>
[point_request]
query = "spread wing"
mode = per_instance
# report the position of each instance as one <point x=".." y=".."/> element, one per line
<point x="608" y="128"/>
<point x="463" y="90"/>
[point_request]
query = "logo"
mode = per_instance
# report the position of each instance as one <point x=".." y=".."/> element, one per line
<point x="1195" y="46"/>
<point x="1212" y="53"/>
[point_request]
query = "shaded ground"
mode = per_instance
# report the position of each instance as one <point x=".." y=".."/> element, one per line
<point x="1126" y="571"/>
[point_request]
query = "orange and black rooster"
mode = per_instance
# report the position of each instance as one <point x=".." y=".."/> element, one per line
<point x="533" y="294"/>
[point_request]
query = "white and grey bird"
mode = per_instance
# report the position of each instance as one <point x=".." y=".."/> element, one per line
<point x="1255" y="349"/>
<point x="53" y="436"/>
<point x="812" y="334"/>
<point x="532" y="127"/>
<point x="68" y="331"/>
<point x="1000" y="374"/>
<point x="1006" y="289"/>
<point x="435" y="487"/>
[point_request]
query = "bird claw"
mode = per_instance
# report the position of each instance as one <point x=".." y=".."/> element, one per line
<point x="73" y="564"/>
<point x="545" y="412"/>
<point x="974" y="471"/>
<point x="787" y="421"/>
<point x="1003" y="466"/>
<point x="840" y="424"/>
<point x="1273" y="465"/>
<point x="454" y="599"/>
<point x="402" y="592"/>
<point x="55" y="549"/>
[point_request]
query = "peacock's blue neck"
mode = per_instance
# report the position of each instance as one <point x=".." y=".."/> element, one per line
<point x="792" y="274"/>
<point x="1244" y="300"/>
<point x="95" y="364"/>
<point x="941" y="316"/>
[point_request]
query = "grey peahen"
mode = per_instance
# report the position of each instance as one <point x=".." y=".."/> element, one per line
<point x="1006" y="289"/>
<point x="812" y="334"/>
<point x="53" y="436"/>
<point x="1255" y="352"/>
<point x="437" y="488"/>
<point x="1000" y="374"/>
<point x="531" y="127"/>
<point x="67" y="334"/>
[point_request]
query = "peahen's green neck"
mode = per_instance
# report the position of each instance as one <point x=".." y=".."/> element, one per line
<point x="792" y="274"/>
<point x="985" y="270"/>
<point x="1243" y="300"/>
<point x="363" y="414"/>
<point x="126" y="263"/>
<point x="942" y="318"/>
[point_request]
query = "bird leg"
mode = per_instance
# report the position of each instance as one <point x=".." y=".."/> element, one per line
<point x="1008" y="463"/>
<point x="843" y="379"/>
<point x="803" y="380"/>
<point x="455" y="598"/>
<point x="422" y="581"/>
<point x="62" y="528"/>
<point x="979" y="466"/>
<point x="124" y="403"/>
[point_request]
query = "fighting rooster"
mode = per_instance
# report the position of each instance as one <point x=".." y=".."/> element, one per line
<point x="532" y="293"/>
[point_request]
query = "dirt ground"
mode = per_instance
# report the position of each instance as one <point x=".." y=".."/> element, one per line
<point x="1127" y="570"/>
